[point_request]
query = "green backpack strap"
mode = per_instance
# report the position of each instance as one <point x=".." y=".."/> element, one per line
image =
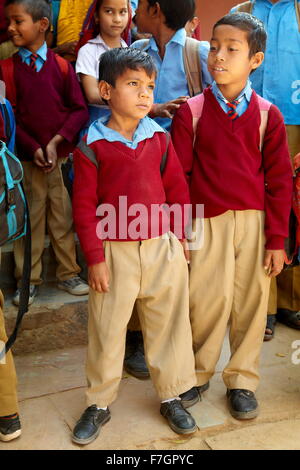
<point x="192" y="66"/>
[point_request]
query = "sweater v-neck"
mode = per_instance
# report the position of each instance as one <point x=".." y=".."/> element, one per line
<point x="127" y="152"/>
<point x="232" y="125"/>
<point x="27" y="69"/>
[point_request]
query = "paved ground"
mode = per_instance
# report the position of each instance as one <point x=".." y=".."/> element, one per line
<point x="51" y="391"/>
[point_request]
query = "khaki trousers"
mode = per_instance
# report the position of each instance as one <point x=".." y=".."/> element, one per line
<point x="49" y="202"/>
<point x="8" y="378"/>
<point x="285" y="289"/>
<point x="154" y="274"/>
<point x="228" y="282"/>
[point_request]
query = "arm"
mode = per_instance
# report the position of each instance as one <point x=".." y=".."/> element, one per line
<point x="85" y="203"/>
<point x="177" y="191"/>
<point x="278" y="195"/>
<point x="183" y="138"/>
<point x="87" y="70"/>
<point x="278" y="179"/>
<point x="90" y="88"/>
<point x="74" y="100"/>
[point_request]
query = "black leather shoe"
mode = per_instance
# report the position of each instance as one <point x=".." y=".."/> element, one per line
<point x="178" y="418"/>
<point x="242" y="404"/>
<point x="192" y="396"/>
<point x="289" y="317"/>
<point x="88" y="427"/>
<point x="134" y="362"/>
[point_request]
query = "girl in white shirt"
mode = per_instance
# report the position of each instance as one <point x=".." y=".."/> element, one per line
<point x="111" y="17"/>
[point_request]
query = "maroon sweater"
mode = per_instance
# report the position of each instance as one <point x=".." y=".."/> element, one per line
<point x="125" y="172"/>
<point x="227" y="171"/>
<point x="47" y="104"/>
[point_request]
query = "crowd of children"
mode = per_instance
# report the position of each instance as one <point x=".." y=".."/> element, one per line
<point x="137" y="188"/>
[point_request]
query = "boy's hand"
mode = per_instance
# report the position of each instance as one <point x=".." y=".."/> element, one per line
<point x="168" y="109"/>
<point x="98" y="277"/>
<point x="186" y="250"/>
<point x="39" y="159"/>
<point x="273" y="262"/>
<point x="51" y="153"/>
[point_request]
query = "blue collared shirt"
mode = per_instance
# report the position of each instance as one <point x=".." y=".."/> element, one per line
<point x="278" y="78"/>
<point x="99" y="131"/>
<point x="243" y="98"/>
<point x="171" y="80"/>
<point x="42" y="56"/>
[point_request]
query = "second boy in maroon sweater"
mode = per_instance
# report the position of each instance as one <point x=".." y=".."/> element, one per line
<point x="247" y="199"/>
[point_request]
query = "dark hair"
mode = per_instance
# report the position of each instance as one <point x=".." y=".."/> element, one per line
<point x="37" y="9"/>
<point x="115" y="62"/>
<point x="177" y="12"/>
<point x="256" y="33"/>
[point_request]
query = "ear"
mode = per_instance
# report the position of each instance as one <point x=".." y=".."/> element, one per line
<point x="154" y="10"/>
<point x="257" y="60"/>
<point x="104" y="90"/>
<point x="44" y="25"/>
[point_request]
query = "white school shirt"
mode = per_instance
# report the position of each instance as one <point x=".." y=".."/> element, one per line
<point x="89" y="56"/>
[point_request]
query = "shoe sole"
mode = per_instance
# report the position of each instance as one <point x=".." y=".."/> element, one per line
<point x="93" y="437"/>
<point x="182" y="431"/>
<point x="10" y="437"/>
<point x="71" y="292"/>
<point x="244" y="415"/>
<point x="137" y="375"/>
<point x="188" y="403"/>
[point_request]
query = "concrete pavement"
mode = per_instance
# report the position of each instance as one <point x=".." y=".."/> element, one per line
<point x="51" y="393"/>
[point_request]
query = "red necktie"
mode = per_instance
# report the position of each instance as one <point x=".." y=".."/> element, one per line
<point x="232" y="109"/>
<point x="33" y="58"/>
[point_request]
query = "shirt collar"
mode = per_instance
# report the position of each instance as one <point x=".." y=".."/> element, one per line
<point x="41" y="52"/>
<point x="99" y="131"/>
<point x="245" y="93"/>
<point x="98" y="40"/>
<point x="179" y="37"/>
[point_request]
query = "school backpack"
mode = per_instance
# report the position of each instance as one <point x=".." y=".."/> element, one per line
<point x="247" y="7"/>
<point x="12" y="199"/>
<point x="196" y="107"/>
<point x="192" y="64"/>
<point x="14" y="216"/>
<point x="7" y="71"/>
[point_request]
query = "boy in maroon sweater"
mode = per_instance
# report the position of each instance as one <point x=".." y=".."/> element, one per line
<point x="50" y="111"/>
<point x="121" y="178"/>
<point x="247" y="199"/>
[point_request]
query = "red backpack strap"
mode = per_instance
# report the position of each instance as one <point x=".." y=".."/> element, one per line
<point x="63" y="65"/>
<point x="196" y="106"/>
<point x="7" y="71"/>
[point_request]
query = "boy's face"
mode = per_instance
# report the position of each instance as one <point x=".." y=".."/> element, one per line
<point x="132" y="95"/>
<point x="143" y="17"/>
<point x="23" y="31"/>
<point x="228" y="60"/>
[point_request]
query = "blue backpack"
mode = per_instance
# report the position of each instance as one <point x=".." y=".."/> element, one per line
<point x="13" y="205"/>
<point x="14" y="215"/>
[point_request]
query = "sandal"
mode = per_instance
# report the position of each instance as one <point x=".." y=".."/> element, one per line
<point x="270" y="327"/>
<point x="289" y="318"/>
